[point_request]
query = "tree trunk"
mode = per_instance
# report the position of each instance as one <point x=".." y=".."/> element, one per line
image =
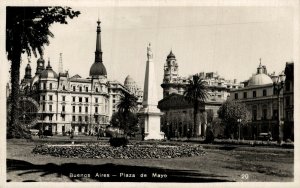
<point x="15" y="79"/>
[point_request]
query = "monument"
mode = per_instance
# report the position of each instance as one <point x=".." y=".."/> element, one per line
<point x="149" y="113"/>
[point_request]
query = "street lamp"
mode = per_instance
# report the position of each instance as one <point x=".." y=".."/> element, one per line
<point x="278" y="84"/>
<point x="239" y="123"/>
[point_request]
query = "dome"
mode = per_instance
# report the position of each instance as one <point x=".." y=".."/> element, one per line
<point x="48" y="72"/>
<point x="128" y="80"/>
<point x="98" y="69"/>
<point x="35" y="79"/>
<point x="171" y="55"/>
<point x="260" y="79"/>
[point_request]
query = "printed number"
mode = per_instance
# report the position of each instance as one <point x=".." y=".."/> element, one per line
<point x="245" y="176"/>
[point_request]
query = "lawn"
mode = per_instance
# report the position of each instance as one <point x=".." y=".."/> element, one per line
<point x="219" y="164"/>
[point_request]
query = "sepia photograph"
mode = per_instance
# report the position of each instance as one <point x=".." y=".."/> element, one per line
<point x="150" y="93"/>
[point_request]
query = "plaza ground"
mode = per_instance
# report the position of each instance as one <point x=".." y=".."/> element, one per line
<point x="220" y="163"/>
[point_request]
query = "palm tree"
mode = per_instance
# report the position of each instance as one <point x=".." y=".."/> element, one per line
<point x="27" y="30"/>
<point x="126" y="105"/>
<point x="196" y="93"/>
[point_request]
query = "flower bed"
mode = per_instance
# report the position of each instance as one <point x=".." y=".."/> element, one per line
<point x="135" y="151"/>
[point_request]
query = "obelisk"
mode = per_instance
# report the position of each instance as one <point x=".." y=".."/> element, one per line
<point x="149" y="113"/>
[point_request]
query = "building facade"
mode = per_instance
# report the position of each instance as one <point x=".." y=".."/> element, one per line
<point x="178" y="113"/>
<point x="66" y="103"/>
<point x="262" y="103"/>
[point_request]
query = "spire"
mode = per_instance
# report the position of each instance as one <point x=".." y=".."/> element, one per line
<point x="98" y="53"/>
<point x="60" y="66"/>
<point x="48" y="66"/>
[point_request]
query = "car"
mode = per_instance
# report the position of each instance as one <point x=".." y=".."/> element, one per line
<point x="265" y="136"/>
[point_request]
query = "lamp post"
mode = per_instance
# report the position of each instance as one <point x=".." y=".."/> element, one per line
<point x="239" y="123"/>
<point x="278" y="84"/>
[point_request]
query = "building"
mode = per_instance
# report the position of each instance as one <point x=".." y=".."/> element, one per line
<point x="134" y="89"/>
<point x="66" y="102"/>
<point x="178" y="113"/>
<point x="262" y="103"/>
<point x="288" y="95"/>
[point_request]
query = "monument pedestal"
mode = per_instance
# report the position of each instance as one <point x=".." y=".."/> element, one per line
<point x="151" y="123"/>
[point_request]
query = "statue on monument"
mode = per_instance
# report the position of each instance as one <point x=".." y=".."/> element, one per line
<point x="149" y="52"/>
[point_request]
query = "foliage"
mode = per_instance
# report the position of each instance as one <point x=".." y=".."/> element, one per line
<point x="196" y="93"/>
<point x="136" y="151"/>
<point x="218" y="128"/>
<point x="27" y="30"/>
<point x="230" y="112"/>
<point x="117" y="142"/>
<point x="126" y="106"/>
<point x="131" y="122"/>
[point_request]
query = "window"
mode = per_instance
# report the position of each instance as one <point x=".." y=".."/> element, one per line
<point x="86" y="109"/>
<point x="97" y="90"/>
<point x="80" y="99"/>
<point x="264" y="92"/>
<point x="254" y="94"/>
<point x="254" y="113"/>
<point x="50" y="97"/>
<point x="245" y="95"/>
<point x="50" y="85"/>
<point x="79" y="118"/>
<point x="73" y="98"/>
<point x="264" y="113"/>
<point x="50" y="108"/>
<point x="86" y="99"/>
<point x="50" y="118"/>
<point x="96" y="118"/>
<point x="236" y="96"/>
<point x="73" y="108"/>
<point x="64" y="87"/>
<point x="79" y="108"/>
<point x="96" y="100"/>
<point x="87" y="89"/>
<point x="63" y="108"/>
<point x="44" y="97"/>
<point x="86" y="118"/>
<point x="114" y="96"/>
<point x="114" y="101"/>
<point x="44" y="107"/>
<point x="287" y="101"/>
<point x="96" y="109"/>
<point x="80" y="89"/>
<point x="44" y="85"/>
<point x="63" y="98"/>
<point x="73" y="118"/>
<point x="74" y="88"/>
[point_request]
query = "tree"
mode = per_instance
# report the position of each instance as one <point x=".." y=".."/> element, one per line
<point x="196" y="93"/>
<point x="117" y="120"/>
<point x="27" y="30"/>
<point x="126" y="106"/>
<point x="230" y="112"/>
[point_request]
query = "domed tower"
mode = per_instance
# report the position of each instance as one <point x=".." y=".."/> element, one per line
<point x="260" y="78"/>
<point x="40" y="65"/>
<point x="170" y="75"/>
<point x="98" y="69"/>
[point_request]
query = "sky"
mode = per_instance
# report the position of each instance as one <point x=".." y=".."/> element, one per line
<point x="227" y="40"/>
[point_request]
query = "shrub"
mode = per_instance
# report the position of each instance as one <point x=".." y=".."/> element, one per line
<point x="117" y="142"/>
<point x="209" y="135"/>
